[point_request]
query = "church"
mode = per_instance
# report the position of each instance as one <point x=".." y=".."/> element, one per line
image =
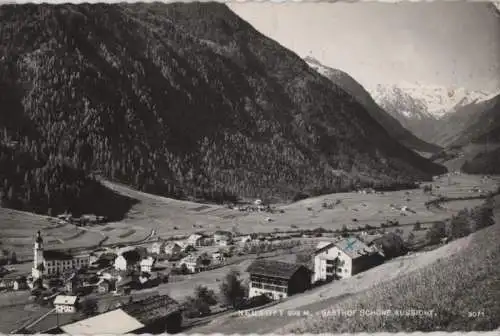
<point x="54" y="262"/>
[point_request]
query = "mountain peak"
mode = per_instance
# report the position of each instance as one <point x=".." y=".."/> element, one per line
<point x="427" y="99"/>
<point x="355" y="89"/>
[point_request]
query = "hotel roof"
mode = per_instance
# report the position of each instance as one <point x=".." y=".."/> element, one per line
<point x="354" y="248"/>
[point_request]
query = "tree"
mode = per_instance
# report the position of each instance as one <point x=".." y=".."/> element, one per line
<point x="483" y="217"/>
<point x="392" y="245"/>
<point x="459" y="226"/>
<point x="13" y="258"/>
<point x="89" y="307"/>
<point x="196" y="307"/>
<point x="436" y="233"/>
<point x="417" y="226"/>
<point x="411" y="237"/>
<point x="232" y="289"/>
<point x="206" y="295"/>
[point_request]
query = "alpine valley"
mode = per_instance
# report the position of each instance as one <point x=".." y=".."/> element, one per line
<point x="183" y="100"/>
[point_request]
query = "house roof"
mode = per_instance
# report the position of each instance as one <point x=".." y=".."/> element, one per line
<point x="195" y="236"/>
<point x="126" y="281"/>
<point x="274" y="268"/>
<point x="322" y="244"/>
<point x="104" y="282"/>
<point x="370" y="239"/>
<point x="61" y="255"/>
<point x="151" y="308"/>
<point x="108" y="256"/>
<point x="51" y="321"/>
<point x="56" y="255"/>
<point x="100" y="324"/>
<point x="65" y="300"/>
<point x="148" y="261"/>
<point x="223" y="233"/>
<point x="323" y="247"/>
<point x="172" y="246"/>
<point x="354" y="247"/>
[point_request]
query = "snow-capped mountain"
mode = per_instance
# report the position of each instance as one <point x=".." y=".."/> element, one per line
<point x="424" y="109"/>
<point x="420" y="101"/>
<point x="390" y="123"/>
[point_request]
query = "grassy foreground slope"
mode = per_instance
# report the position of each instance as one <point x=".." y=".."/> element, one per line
<point x="464" y="283"/>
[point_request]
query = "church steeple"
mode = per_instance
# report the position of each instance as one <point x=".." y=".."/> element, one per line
<point x="39" y="241"/>
<point x="38" y="255"/>
<point x="39" y="237"/>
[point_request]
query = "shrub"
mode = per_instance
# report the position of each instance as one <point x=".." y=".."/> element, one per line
<point x="232" y="289"/>
<point x="196" y="307"/>
<point x="392" y="245"/>
<point x="460" y="226"/>
<point x="417" y="226"/>
<point x="299" y="196"/>
<point x="436" y="233"/>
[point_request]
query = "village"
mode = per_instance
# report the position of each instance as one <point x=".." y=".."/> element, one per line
<point x="68" y="282"/>
<point x="80" y="291"/>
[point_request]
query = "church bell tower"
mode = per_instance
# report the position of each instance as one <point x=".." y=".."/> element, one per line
<point x="38" y="256"/>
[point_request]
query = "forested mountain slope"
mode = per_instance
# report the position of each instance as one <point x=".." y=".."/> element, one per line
<point x="185" y="100"/>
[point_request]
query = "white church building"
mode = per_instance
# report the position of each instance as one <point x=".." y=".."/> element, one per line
<point x="53" y="262"/>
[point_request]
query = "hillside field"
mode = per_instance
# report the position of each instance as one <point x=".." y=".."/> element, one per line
<point x="354" y="210"/>
<point x="155" y="216"/>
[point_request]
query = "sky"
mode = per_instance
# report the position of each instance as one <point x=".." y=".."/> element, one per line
<point x="438" y="43"/>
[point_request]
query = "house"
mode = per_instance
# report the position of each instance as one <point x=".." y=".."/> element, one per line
<point x="158" y="247"/>
<point x="14" y="282"/>
<point x="277" y="279"/>
<point x="8" y="281"/>
<point x="245" y="239"/>
<point x="147" y="264"/>
<point x="198" y="239"/>
<point x="173" y="248"/>
<point x="93" y="258"/>
<point x="52" y="262"/>
<point x="223" y="238"/>
<point x="126" y="283"/>
<point x="158" y="314"/>
<point x="218" y="257"/>
<point x="112" y="274"/>
<point x="344" y="259"/>
<point x="65" y="303"/>
<point x="195" y="263"/>
<point x="72" y="283"/>
<point x="20" y="283"/>
<point x="105" y="286"/>
<point x="105" y="260"/>
<point x="194" y="239"/>
<point x="154" y="315"/>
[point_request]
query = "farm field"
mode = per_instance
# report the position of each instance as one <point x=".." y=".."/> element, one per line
<point x="168" y="217"/>
<point x="17" y="310"/>
<point x="465" y="263"/>
<point x="17" y="230"/>
<point x="155" y="216"/>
